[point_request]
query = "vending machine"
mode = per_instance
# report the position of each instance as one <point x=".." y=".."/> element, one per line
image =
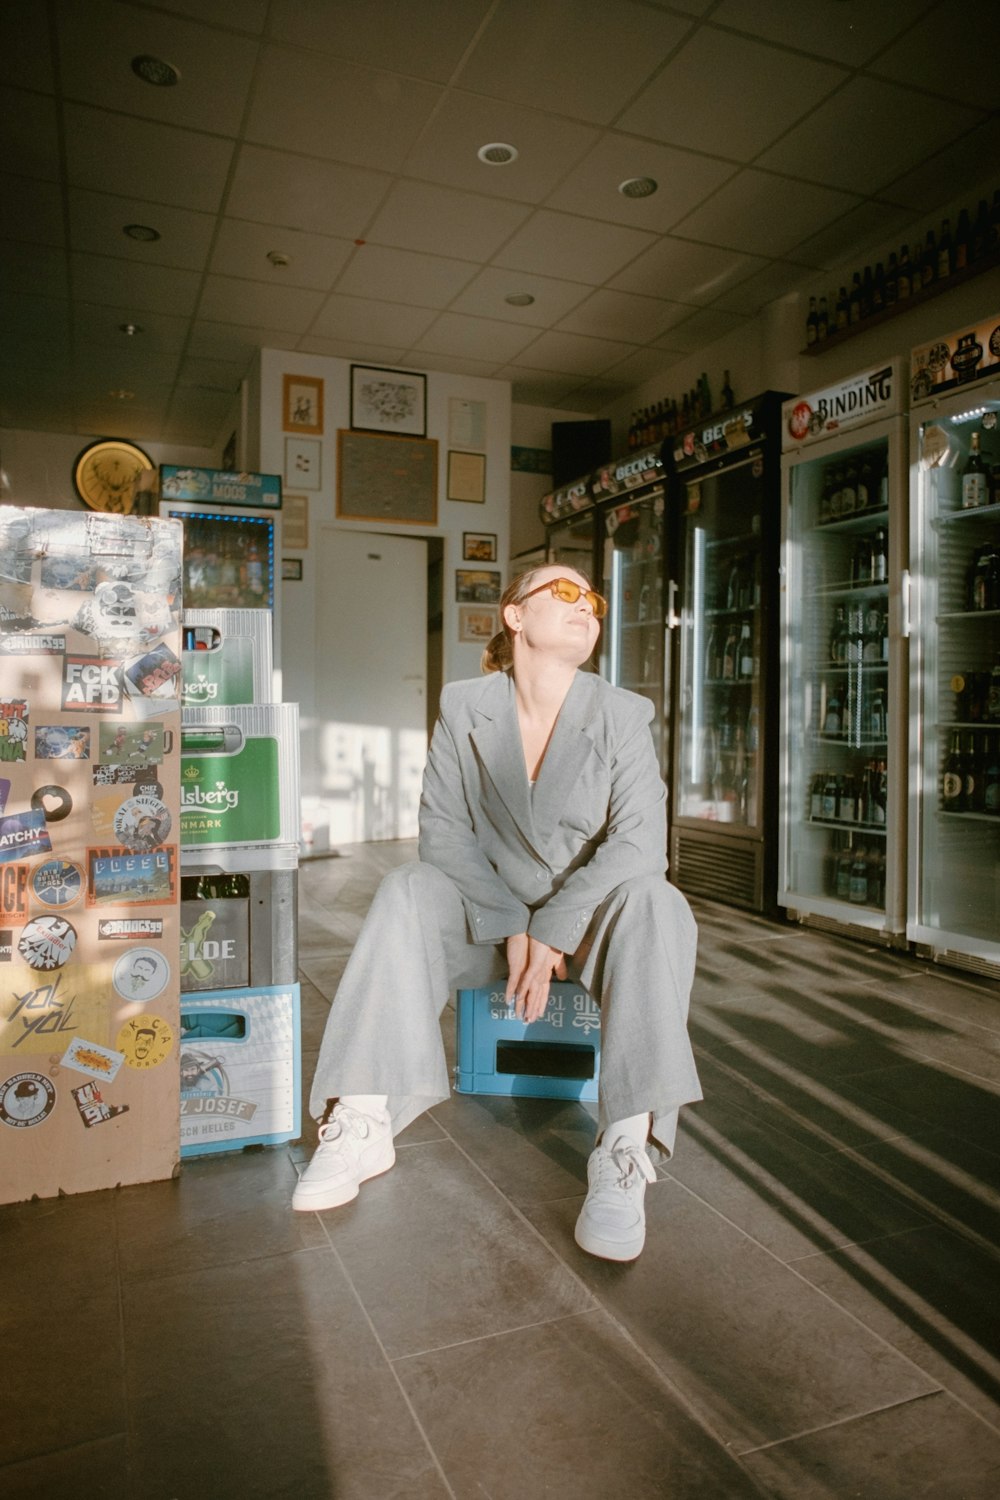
<point x="723" y="839"/>
<point x="953" y="912"/>
<point x="842" y="839"/>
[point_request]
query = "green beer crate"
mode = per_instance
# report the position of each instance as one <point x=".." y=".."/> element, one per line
<point x="240" y="785"/>
<point x="226" y="657"/>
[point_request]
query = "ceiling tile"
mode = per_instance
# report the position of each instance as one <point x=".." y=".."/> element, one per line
<point x="547" y="148"/>
<point x="702" y="328"/>
<point x="757" y="290"/>
<point x="377" y="354"/>
<point x="212" y="374"/>
<point x="38" y="219"/>
<point x="162" y="333"/>
<point x="940" y="53"/>
<point x="635" y="369"/>
<point x="237" y="15"/>
<point x="684" y="179"/>
<point x="474" y="338"/>
<point x="551" y="244"/>
<point x="965" y="165"/>
<point x="96" y="413"/>
<point x="685" y="271"/>
<point x="320" y="197"/>
<point x="39" y="269"/>
<point x="118" y="283"/>
<point x="25" y="49"/>
<point x="728" y="96"/>
<point x="236" y="341"/>
<point x="97" y="223"/>
<point x="537" y="387"/>
<point x="46" y="319"/>
<point x="424" y="38"/>
<point x="314" y="260"/>
<point x="572" y="354"/>
<point x="101" y="38"/>
<point x="609" y="314"/>
<point x="141" y="159"/>
<point x="225" y="299"/>
<point x="485" y="296"/>
<point x="127" y="368"/>
<point x="375" y="322"/>
<point x="867" y="134"/>
<point x="29" y="135"/>
<point x="596" y="395"/>
<point x="453" y="364"/>
<point x="849" y="33"/>
<point x="442" y="221"/>
<point x="764" y="215"/>
<point x="408" y="276"/>
<point x="867" y="225"/>
<point x="314" y="103"/>
<point x="583" y="58"/>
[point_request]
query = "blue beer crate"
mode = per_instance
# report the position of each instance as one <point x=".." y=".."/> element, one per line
<point x="555" y="1057"/>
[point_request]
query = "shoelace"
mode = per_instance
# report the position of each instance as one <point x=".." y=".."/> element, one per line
<point x="624" y="1163"/>
<point x="343" y="1115"/>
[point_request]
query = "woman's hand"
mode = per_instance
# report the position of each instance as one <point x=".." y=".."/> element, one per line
<point x="531" y="967"/>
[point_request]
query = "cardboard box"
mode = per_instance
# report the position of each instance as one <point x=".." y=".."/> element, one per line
<point x="555" y="1057"/>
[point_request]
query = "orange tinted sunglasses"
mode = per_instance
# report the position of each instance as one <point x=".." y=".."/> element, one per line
<point x="570" y="592"/>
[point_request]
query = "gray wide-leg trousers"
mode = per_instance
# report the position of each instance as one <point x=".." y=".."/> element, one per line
<point x="637" y="961"/>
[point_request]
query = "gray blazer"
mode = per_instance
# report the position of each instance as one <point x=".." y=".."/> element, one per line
<point x="541" y="860"/>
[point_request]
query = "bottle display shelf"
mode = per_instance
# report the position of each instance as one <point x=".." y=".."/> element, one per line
<point x="856" y="520"/>
<point x="947" y="518"/>
<point x="846" y="825"/>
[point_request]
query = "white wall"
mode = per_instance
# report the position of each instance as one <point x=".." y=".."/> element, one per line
<point x="39" y="465"/>
<point x="531" y="427"/>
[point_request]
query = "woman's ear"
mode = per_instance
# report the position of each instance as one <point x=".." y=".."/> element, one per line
<point x="512" y="617"/>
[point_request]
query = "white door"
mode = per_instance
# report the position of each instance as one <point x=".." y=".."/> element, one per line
<point x="371" y="685"/>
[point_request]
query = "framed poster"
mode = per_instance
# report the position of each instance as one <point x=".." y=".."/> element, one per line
<point x="467" y="476"/>
<point x="388" y="401"/>
<point x="291" y="569"/>
<point x="477" y="546"/>
<point x="302" y="462"/>
<point x="296" y="522"/>
<point x="302" y="404"/>
<point x="477" y="623"/>
<point x="477" y="585"/>
<point x="382" y="478"/>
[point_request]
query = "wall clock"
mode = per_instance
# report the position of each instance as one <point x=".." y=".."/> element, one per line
<point x="105" y="474"/>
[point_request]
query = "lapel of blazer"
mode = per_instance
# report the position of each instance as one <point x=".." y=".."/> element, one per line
<point x="497" y="738"/>
<point x="569" y="749"/>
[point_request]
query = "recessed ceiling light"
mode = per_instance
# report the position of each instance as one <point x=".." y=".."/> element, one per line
<point x="140" y="232"/>
<point x="154" y="70"/>
<point x="520" y="299"/>
<point x="130" y="328"/>
<point x="278" y="258"/>
<point x="638" y="187"/>
<point x="122" y="395"/>
<point x="497" y="154"/>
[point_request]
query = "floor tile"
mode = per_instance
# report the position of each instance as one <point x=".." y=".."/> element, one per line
<point x="532" y="1149"/>
<point x="97" y="1471"/>
<point x="460" y="1261"/>
<point x="972" y="1002"/>
<point x="264" y="1381"/>
<point x="758" y="1353"/>
<point x="567" y="1411"/>
<point x="52" y="1232"/>
<point x="929" y="1449"/>
<point x="943" y="1097"/>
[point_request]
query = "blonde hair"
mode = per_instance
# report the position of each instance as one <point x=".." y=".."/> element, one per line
<point x="499" y="653"/>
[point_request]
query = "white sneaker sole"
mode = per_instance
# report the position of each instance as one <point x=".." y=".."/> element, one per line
<point x="609" y="1249"/>
<point x="308" y="1199"/>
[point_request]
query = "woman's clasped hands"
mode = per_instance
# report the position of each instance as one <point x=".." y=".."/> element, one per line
<point x="531" y="967"/>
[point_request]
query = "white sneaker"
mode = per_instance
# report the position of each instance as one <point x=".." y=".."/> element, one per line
<point x="612" y="1222"/>
<point x="352" y="1147"/>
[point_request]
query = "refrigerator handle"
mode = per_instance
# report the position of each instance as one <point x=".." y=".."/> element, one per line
<point x="672" y="620"/>
<point x="904" y="602"/>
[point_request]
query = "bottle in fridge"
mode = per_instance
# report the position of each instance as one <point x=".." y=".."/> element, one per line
<point x="842" y="836"/>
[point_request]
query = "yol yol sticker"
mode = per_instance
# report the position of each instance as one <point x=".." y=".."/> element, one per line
<point x="145" y="1040"/>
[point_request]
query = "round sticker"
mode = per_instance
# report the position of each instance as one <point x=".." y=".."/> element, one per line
<point x="938" y="357"/>
<point x="58" y="882"/>
<point x="54" y="801"/>
<point x="142" y="823"/>
<point x="146" y="1041"/>
<point x="47" y="942"/>
<point x="140" y="974"/>
<point x="26" y="1099"/>
<point x="798" y="420"/>
<point x="995" y="341"/>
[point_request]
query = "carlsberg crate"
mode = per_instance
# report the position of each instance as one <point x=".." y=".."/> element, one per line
<point x="555" y="1057"/>
<point x="241" y="1069"/>
<point x="226" y="657"/>
<point x="239" y="778"/>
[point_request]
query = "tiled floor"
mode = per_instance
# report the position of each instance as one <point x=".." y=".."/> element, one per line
<point x="815" y="1316"/>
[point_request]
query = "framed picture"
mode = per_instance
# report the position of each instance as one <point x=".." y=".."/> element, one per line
<point x="477" y="623"/>
<point x="388" y="401"/>
<point x="382" y="478"/>
<point x="295" y="523"/>
<point x="291" y="569"/>
<point x="477" y="586"/>
<point x="302" y="404"/>
<point x="302" y="463"/>
<point x="477" y="546"/>
<point x="467" y="476"/>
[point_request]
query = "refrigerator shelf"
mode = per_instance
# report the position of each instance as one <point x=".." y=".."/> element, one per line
<point x="952" y="615"/>
<point x="844" y="590"/>
<point x="841" y="825"/>
<point x="744" y="541"/>
<point x="947" y="518"/>
<point x="822" y="670"/>
<point x="969" y="817"/>
<point x="847" y="742"/>
<point x="987" y="725"/>
<point x="729" y="682"/>
<point x="856" y="521"/>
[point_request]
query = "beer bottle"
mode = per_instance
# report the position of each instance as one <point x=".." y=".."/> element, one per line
<point x="930" y="265"/>
<point x="845" y="864"/>
<point x="858" y="887"/>
<point x="944" y="254"/>
<point x="980" y="232"/>
<point x="991" y="774"/>
<point x="975" y="481"/>
<point x="963" y="235"/>
<point x="838" y="638"/>
<point x="878" y="289"/>
<point x="728" y="399"/>
<point x="880" y="556"/>
<point x="892" y="281"/>
<point x="953" y="778"/>
<point x="842" y="311"/>
<point x="971" y="778"/>
<point x="823" y="320"/>
<point x="904" y="280"/>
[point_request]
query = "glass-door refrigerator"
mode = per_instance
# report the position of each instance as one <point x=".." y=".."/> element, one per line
<point x="723" y="838"/>
<point x="842" y="767"/>
<point x="954" y="809"/>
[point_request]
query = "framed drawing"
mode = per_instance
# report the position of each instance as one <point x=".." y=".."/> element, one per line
<point x="477" y="623"/>
<point x="295" y="523"/>
<point x="477" y="586"/>
<point x="388" y="401"/>
<point x="382" y="478"/>
<point x="302" y="463"/>
<point x="467" y="476"/>
<point x="302" y="404"/>
<point x="291" y="569"/>
<point x="477" y="546"/>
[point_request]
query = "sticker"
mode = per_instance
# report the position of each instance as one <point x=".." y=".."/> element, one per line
<point x="937" y="359"/>
<point x="127" y="929"/>
<point x="33" y="1020"/>
<point x="142" y="823"/>
<point x="91" y="684"/>
<point x="92" y="1106"/>
<point x="93" y="1059"/>
<point x="46" y="943"/>
<point x="4" y="792"/>
<point x="141" y="975"/>
<point x="54" y="802"/>
<point x="58" y="882"/>
<point x="13" y="729"/>
<point x="118" y="877"/>
<point x="14" y="892"/>
<point x="62" y="742"/>
<point x="32" y="645"/>
<point x="156" y="674"/>
<point x="67" y="571"/>
<point x="136" y="776"/>
<point x="131" y="742"/>
<point x="146" y="1041"/>
<point x="6" y="945"/>
<point x="26" y="1099"/>
<point x="23" y="833"/>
